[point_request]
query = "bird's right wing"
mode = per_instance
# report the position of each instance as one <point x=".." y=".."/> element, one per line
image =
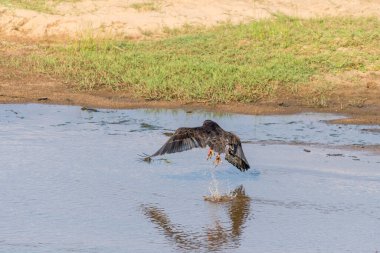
<point x="184" y="139"/>
<point x="235" y="154"/>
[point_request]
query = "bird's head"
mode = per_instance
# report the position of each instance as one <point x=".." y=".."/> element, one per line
<point x="210" y="124"/>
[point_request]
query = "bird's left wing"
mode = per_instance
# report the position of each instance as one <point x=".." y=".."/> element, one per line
<point x="184" y="139"/>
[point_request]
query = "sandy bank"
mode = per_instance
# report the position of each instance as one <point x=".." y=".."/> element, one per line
<point x="133" y="19"/>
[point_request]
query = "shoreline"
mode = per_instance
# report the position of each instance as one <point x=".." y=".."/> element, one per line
<point x="51" y="93"/>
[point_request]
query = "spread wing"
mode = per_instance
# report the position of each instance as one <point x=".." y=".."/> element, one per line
<point x="235" y="154"/>
<point x="184" y="139"/>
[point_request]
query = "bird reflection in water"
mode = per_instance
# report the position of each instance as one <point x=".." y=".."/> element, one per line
<point x="211" y="239"/>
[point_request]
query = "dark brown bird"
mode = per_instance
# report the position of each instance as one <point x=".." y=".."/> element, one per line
<point x="209" y="134"/>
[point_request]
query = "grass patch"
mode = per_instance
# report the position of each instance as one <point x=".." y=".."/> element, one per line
<point x="227" y="63"/>
<point x="35" y="5"/>
<point x="145" y="6"/>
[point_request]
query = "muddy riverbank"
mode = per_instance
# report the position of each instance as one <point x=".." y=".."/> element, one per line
<point x="354" y="92"/>
<point x="361" y="105"/>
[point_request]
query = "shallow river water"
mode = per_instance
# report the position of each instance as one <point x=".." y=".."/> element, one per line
<point x="71" y="181"/>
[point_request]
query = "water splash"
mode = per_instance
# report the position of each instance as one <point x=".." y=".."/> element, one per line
<point x="214" y="185"/>
<point x="215" y="194"/>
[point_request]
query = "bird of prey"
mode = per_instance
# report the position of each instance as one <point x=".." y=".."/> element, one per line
<point x="209" y="134"/>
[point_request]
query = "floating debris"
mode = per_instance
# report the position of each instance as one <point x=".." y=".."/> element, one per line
<point x="307" y="150"/>
<point x="120" y="122"/>
<point x="372" y="130"/>
<point x="148" y="159"/>
<point x="283" y="104"/>
<point x="149" y="126"/>
<point x="341" y="155"/>
<point x="89" y="109"/>
<point x="12" y="111"/>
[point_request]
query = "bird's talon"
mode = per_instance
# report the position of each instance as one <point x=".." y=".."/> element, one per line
<point x="218" y="160"/>
<point x="210" y="154"/>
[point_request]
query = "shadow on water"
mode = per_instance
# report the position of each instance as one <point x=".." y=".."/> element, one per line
<point x="214" y="238"/>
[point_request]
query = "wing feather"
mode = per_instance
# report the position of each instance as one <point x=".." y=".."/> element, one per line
<point x="235" y="154"/>
<point x="184" y="139"/>
<point x="238" y="162"/>
<point x="199" y="137"/>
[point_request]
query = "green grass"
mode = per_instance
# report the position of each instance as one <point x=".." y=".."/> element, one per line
<point x="36" y="5"/>
<point x="145" y="6"/>
<point x="227" y="63"/>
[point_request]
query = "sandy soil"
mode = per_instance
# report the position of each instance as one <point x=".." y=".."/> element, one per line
<point x="123" y="18"/>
